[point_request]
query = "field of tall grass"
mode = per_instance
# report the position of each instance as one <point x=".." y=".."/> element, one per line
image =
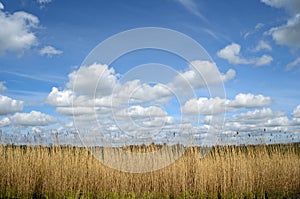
<point x="262" y="171"/>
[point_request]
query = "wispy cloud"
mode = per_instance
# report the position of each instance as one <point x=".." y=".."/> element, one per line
<point x="44" y="1"/>
<point x="293" y="64"/>
<point x="38" y="77"/>
<point x="211" y="33"/>
<point x="30" y="98"/>
<point x="192" y="7"/>
<point x="257" y="27"/>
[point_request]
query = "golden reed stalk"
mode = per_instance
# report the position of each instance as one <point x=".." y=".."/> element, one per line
<point x="225" y="172"/>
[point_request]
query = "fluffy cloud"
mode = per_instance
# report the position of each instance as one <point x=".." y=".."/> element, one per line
<point x="254" y="121"/>
<point x="200" y="75"/>
<point x="293" y="64"/>
<point x="262" y="45"/>
<point x="49" y="51"/>
<point x="232" y="54"/>
<point x="70" y="104"/>
<point x="8" y="105"/>
<point x="255" y="116"/>
<point x="296" y="112"/>
<point x="34" y="118"/>
<point x="1" y="6"/>
<point x="143" y="126"/>
<point x="256" y="126"/>
<point x="132" y="109"/>
<point x="60" y="98"/>
<point x="145" y="92"/>
<point x="85" y="111"/>
<point x="75" y="110"/>
<point x="4" y="122"/>
<point x="96" y="79"/>
<point x="263" y="60"/>
<point x="287" y="34"/>
<point x="144" y="102"/>
<point x="205" y="106"/>
<point x="2" y="86"/>
<point x="215" y="106"/>
<point x="292" y="6"/>
<point x="250" y="101"/>
<point x="90" y="105"/>
<point x="141" y="112"/>
<point x="135" y="91"/>
<point x="96" y="86"/>
<point x="16" y="33"/>
<point x="68" y="98"/>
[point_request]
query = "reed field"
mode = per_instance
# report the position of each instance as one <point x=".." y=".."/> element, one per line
<point x="261" y="171"/>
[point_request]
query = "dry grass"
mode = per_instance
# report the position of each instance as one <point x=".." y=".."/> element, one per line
<point x="229" y="172"/>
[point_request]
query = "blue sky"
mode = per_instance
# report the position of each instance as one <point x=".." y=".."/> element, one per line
<point x="254" y="44"/>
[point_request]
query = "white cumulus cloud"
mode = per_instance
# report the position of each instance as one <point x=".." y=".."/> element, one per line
<point x="257" y="119"/>
<point x="289" y="33"/>
<point x="292" y="6"/>
<point x="95" y="79"/>
<point x="296" y="112"/>
<point x="60" y="98"/>
<point x="49" y="51"/>
<point x="75" y="110"/>
<point x="201" y="74"/>
<point x="141" y="112"/>
<point x="4" y="122"/>
<point x="96" y="87"/>
<point x="232" y="53"/>
<point x="93" y="96"/>
<point x="205" y="106"/>
<point x="250" y="101"/>
<point x="8" y="105"/>
<point x="136" y="91"/>
<point x="16" y="33"/>
<point x="34" y="118"/>
<point x="215" y="106"/>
